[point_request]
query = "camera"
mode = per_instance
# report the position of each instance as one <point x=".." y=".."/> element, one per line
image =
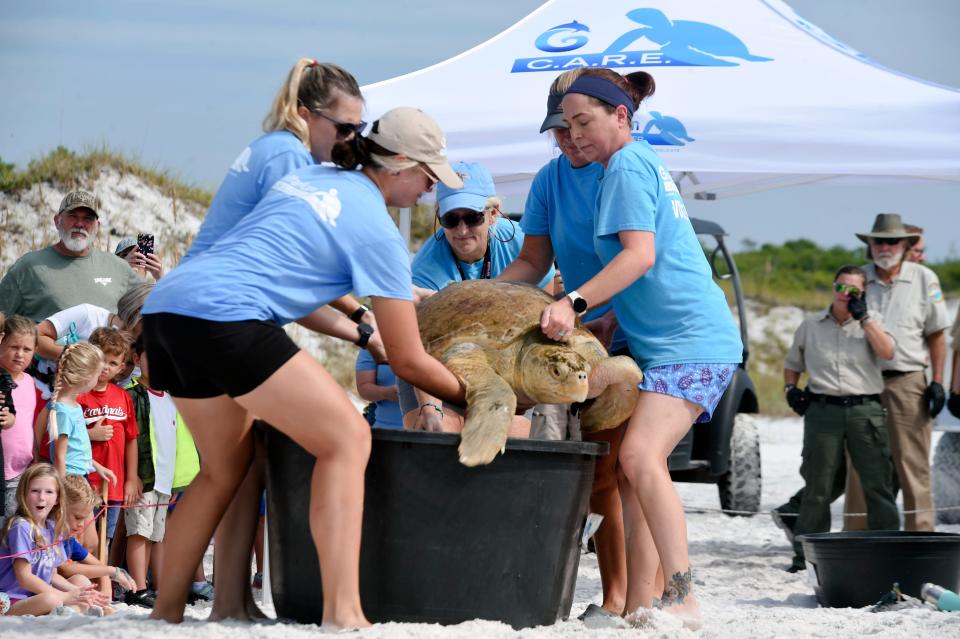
<point x="6" y="387"/>
<point x="145" y="243"/>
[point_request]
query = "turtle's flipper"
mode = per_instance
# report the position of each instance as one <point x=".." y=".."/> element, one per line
<point x="490" y="405"/>
<point x="618" y="378"/>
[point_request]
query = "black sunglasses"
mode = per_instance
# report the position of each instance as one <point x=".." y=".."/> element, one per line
<point x="344" y="129"/>
<point x="470" y="218"/>
<point x="889" y="241"/>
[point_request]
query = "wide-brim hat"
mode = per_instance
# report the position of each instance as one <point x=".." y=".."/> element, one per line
<point x="888" y="226"/>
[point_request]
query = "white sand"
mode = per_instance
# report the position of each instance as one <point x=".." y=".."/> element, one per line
<point x="738" y="568"/>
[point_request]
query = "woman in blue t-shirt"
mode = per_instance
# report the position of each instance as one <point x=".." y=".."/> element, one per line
<point x="476" y="242"/>
<point x="558" y="221"/>
<point x="675" y="317"/>
<point x="214" y="338"/>
<point x="318" y="106"/>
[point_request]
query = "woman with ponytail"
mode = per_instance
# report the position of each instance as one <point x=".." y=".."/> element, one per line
<point x="78" y="370"/>
<point x="675" y="318"/>
<point x="214" y="339"/>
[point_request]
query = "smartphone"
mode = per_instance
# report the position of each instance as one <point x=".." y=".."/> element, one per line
<point x="145" y="243"/>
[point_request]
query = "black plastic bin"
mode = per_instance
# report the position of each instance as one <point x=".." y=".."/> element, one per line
<point x="855" y="569"/>
<point x="442" y="543"/>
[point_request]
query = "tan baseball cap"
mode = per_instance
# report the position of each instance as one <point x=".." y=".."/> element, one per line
<point x="80" y="200"/>
<point x="416" y="135"/>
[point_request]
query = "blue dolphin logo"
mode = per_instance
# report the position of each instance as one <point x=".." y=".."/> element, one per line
<point x="568" y="41"/>
<point x="694" y="43"/>
<point x="670" y="131"/>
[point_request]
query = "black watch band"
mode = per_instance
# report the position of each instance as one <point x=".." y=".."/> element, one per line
<point x="365" y="331"/>
<point x="357" y="315"/>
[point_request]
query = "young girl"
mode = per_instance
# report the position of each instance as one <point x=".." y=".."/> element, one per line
<point x="78" y="369"/>
<point x="29" y="584"/>
<point x="16" y="353"/>
<point x="79" y="501"/>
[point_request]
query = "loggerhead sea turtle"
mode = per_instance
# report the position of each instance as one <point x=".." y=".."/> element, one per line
<point x="488" y="333"/>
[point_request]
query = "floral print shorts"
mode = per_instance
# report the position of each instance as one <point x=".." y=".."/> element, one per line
<point x="701" y="384"/>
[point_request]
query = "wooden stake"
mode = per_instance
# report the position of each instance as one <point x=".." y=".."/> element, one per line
<point x="102" y="548"/>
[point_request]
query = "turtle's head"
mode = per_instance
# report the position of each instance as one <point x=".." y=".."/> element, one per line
<point x="552" y="374"/>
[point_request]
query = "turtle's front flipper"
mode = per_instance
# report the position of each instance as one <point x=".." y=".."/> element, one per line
<point x="490" y="404"/>
<point x="618" y="377"/>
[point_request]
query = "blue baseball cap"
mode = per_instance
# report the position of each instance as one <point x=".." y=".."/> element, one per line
<point x="477" y="188"/>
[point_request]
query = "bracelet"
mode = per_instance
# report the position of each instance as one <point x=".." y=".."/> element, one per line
<point x="435" y="407"/>
<point x="358" y="314"/>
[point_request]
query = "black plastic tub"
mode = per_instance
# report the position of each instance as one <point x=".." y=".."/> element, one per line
<point x="855" y="569"/>
<point x="442" y="543"/>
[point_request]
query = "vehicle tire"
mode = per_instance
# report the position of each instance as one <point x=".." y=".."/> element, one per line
<point x="946" y="478"/>
<point x="740" y="486"/>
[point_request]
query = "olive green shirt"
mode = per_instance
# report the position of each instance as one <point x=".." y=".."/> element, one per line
<point x="838" y="357"/>
<point x="44" y="282"/>
<point x="913" y="308"/>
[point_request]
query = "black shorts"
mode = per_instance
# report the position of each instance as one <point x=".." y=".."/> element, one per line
<point x="196" y="358"/>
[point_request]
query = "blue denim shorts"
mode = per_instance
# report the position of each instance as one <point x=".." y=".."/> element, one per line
<point x="701" y="384"/>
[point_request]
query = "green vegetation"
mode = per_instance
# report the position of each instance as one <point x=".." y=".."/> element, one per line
<point x="69" y="170"/>
<point x="800" y="273"/>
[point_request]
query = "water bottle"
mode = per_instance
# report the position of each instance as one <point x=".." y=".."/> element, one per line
<point x="940" y="597"/>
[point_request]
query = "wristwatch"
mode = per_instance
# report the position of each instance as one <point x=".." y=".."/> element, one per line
<point x="579" y="304"/>
<point x="365" y="331"/>
<point x="787" y="387"/>
<point x="357" y="315"/>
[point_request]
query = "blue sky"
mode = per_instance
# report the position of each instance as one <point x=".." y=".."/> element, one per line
<point x="183" y="85"/>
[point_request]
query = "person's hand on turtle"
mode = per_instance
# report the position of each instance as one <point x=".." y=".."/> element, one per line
<point x="953" y="405"/>
<point x="797" y="399"/>
<point x="429" y="419"/>
<point x="857" y="305"/>
<point x="420" y="294"/>
<point x="603" y="328"/>
<point x="558" y="319"/>
<point x="935" y="396"/>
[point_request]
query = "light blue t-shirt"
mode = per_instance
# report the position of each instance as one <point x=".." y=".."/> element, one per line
<point x="435" y="265"/>
<point x="70" y="422"/>
<point x="675" y="313"/>
<point x="319" y="234"/>
<point x="251" y="176"/>
<point x="388" y="412"/>
<point x="560" y="204"/>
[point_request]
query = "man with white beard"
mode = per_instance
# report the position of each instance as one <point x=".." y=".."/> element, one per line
<point x="71" y="272"/>
<point x="909" y="298"/>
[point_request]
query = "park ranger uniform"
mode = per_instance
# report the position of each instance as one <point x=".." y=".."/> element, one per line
<point x="913" y="308"/>
<point x="844" y="411"/>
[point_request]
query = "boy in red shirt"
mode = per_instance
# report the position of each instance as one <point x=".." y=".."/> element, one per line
<point x="112" y="425"/>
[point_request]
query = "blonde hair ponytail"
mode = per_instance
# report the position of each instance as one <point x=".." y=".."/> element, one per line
<point x="78" y="363"/>
<point x="314" y="85"/>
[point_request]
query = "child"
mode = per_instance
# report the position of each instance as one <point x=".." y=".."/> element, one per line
<point x="78" y="369"/>
<point x="168" y="463"/>
<point x="79" y="500"/>
<point x="29" y="583"/>
<point x="16" y="353"/>
<point x="108" y="413"/>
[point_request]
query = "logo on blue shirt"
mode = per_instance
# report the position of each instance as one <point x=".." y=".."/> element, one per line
<point x="662" y="130"/>
<point x="653" y="40"/>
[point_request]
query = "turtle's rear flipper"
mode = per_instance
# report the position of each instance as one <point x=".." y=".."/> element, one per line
<point x="490" y="405"/>
<point x="619" y="377"/>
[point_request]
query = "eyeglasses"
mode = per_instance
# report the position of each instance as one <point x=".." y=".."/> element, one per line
<point x="470" y="218"/>
<point x="889" y="241"/>
<point x="430" y="176"/>
<point x="344" y="129"/>
<point x="846" y="289"/>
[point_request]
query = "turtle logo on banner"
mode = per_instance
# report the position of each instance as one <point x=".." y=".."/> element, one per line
<point x="662" y="130"/>
<point x="652" y="40"/>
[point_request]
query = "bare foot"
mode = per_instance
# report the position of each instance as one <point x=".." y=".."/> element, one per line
<point x="687" y="610"/>
<point x="352" y="623"/>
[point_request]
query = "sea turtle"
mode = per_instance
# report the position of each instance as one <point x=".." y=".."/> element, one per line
<point x="488" y="333"/>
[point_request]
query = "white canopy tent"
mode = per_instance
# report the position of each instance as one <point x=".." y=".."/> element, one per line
<point x="749" y="97"/>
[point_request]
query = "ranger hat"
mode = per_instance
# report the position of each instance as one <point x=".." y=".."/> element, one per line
<point x="888" y="226"/>
<point x="80" y="200"/>
<point x="416" y="135"/>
